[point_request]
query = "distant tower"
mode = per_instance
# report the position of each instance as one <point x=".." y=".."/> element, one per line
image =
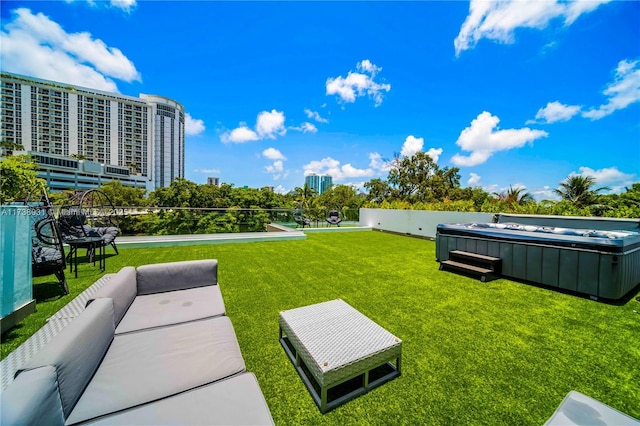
<point x="318" y="183"/>
<point x="168" y="139"/>
<point x="313" y="182"/>
<point x="326" y="182"/>
<point x="213" y="181"/>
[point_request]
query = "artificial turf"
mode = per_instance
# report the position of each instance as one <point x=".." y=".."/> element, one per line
<point x="501" y="352"/>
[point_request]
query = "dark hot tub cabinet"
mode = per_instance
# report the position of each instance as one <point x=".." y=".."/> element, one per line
<point x="599" y="257"/>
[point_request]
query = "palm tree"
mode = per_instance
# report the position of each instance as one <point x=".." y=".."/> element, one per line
<point x="577" y="190"/>
<point x="517" y="195"/>
<point x="304" y="196"/>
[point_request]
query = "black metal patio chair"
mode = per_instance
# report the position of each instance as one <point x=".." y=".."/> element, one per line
<point x="47" y="251"/>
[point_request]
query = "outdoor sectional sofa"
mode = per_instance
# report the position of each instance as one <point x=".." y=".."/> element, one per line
<point x="153" y="346"/>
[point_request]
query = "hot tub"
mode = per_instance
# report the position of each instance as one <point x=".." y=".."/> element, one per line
<point x="598" y="262"/>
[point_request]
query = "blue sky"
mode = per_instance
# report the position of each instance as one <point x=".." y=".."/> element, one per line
<point x="513" y="93"/>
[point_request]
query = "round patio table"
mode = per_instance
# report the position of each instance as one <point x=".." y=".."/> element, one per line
<point x="90" y="243"/>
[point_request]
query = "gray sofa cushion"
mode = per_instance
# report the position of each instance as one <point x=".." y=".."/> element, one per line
<point x="32" y="399"/>
<point x="122" y="289"/>
<point x="172" y="307"/>
<point x="176" y="276"/>
<point x="234" y="401"/>
<point x="154" y="364"/>
<point x="77" y="350"/>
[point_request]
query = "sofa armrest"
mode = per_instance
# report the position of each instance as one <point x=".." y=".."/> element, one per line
<point x="32" y="399"/>
<point x="77" y="351"/>
<point x="173" y="276"/>
<point x="122" y="288"/>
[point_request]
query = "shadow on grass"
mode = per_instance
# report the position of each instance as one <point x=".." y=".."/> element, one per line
<point x="47" y="291"/>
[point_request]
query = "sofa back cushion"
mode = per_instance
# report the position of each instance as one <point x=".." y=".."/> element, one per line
<point x="77" y="351"/>
<point x="122" y="289"/>
<point x="32" y="399"/>
<point x="176" y="276"/>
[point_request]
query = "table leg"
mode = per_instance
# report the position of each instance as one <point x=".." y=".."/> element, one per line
<point x="75" y="260"/>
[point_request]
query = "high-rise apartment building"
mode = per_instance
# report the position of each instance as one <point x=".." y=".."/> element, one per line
<point x="144" y="135"/>
<point x="326" y="182"/>
<point x="313" y="182"/>
<point x="318" y="183"/>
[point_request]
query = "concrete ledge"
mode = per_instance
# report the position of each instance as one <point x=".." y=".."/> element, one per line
<point x="274" y="227"/>
<point x="18" y="315"/>
<point x="339" y="229"/>
<point x="200" y="239"/>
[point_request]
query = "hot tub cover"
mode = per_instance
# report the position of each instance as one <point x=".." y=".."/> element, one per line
<point x="610" y="241"/>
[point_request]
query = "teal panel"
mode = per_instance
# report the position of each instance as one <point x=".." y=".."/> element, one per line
<point x="568" y="277"/>
<point x="452" y="245"/>
<point x="519" y="269"/>
<point x="481" y="246"/>
<point x="506" y="254"/>
<point x="441" y="247"/>
<point x="471" y="245"/>
<point x="550" y="266"/>
<point x="493" y="249"/>
<point x="588" y="265"/>
<point x="461" y="244"/>
<point x="534" y="264"/>
<point x="15" y="258"/>
<point x="609" y="277"/>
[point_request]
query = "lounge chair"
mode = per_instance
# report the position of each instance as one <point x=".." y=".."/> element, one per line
<point x="298" y="216"/>
<point x="334" y="218"/>
<point x="89" y="214"/>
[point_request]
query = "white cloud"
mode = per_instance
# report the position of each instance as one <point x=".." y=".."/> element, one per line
<point x="621" y="92"/>
<point x="193" y="126"/>
<point x="376" y="162"/>
<point x="498" y="20"/>
<point x="332" y="167"/>
<point x="315" y="116"/>
<point x="555" y="111"/>
<point x="273" y="154"/>
<point x="358" y="84"/>
<point x="125" y="5"/>
<point x="411" y="145"/>
<point x="37" y="46"/>
<point x="434" y="154"/>
<point x="207" y="171"/>
<point x="482" y="138"/>
<point x="474" y="179"/>
<point x="608" y="176"/>
<point x="306" y="127"/>
<point x="270" y="124"/>
<point x="239" y="135"/>
<point x="276" y="167"/>
<point x="280" y="190"/>
<point x="544" y="193"/>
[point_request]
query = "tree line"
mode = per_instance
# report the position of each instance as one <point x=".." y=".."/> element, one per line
<point x="413" y="182"/>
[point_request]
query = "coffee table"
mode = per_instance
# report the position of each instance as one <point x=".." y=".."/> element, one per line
<point x="338" y="352"/>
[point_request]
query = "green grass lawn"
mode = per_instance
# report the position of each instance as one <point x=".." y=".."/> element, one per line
<point x="501" y="352"/>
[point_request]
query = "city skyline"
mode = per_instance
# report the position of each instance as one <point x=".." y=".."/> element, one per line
<point x="521" y="94"/>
